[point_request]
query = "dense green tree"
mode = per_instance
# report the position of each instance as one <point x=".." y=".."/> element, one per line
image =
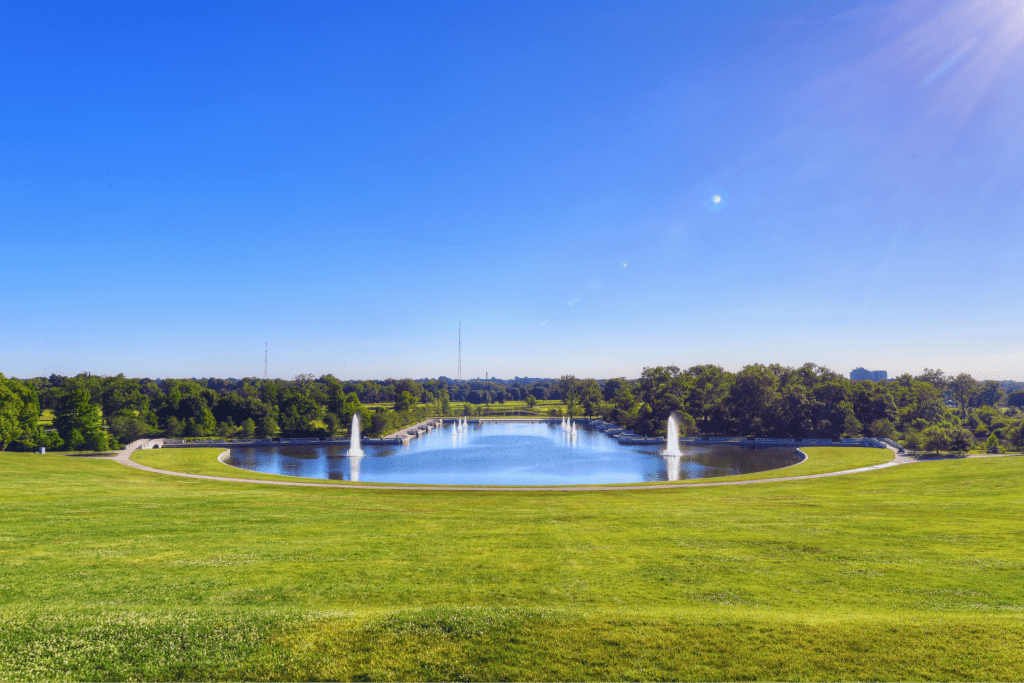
<point x="1016" y="437"/>
<point x="590" y="396"/>
<point x="707" y="388"/>
<point x="128" y="428"/>
<point x="331" y="424"/>
<point x="572" y="404"/>
<point x="797" y="409"/>
<point x="193" y="410"/>
<point x="963" y="389"/>
<point x="755" y="399"/>
<point x="172" y="427"/>
<point x="123" y="396"/>
<point x="935" y="439"/>
<point x="267" y="427"/>
<point x="248" y="428"/>
<point x="936" y="378"/>
<point x="992" y="444"/>
<point x="19" y="413"/>
<point x="350" y="407"/>
<point x="663" y="390"/>
<point x="1016" y="399"/>
<point x="568" y="386"/>
<point x="960" y="440"/>
<point x="918" y="401"/>
<point x="406" y="401"/>
<point x="882" y="429"/>
<point x="833" y="408"/>
<point x="851" y="425"/>
<point x="226" y="429"/>
<point x="79" y="422"/>
<point x="10" y="409"/>
<point x="872" y="401"/>
<point x="989" y="393"/>
<point x="611" y="387"/>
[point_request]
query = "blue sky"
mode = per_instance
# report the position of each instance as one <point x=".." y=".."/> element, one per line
<point x="181" y="183"/>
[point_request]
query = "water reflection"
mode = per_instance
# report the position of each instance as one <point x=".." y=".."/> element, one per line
<point x="537" y="453"/>
<point x="672" y="467"/>
<point x="354" y="463"/>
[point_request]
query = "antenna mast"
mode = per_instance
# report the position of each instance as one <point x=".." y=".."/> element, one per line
<point x="460" y="350"/>
<point x="264" y="361"/>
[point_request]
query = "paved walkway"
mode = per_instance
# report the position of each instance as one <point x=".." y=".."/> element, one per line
<point x="124" y="458"/>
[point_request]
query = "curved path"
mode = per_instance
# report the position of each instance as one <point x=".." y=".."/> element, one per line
<point x="124" y="458"/>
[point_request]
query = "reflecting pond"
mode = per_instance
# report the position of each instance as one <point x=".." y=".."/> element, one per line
<point x="510" y="453"/>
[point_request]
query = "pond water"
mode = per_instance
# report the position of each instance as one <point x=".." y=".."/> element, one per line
<point x="517" y="453"/>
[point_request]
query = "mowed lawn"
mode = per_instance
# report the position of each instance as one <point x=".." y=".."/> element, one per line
<point x="913" y="572"/>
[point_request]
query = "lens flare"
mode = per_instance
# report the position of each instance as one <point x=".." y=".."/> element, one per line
<point x="716" y="201"/>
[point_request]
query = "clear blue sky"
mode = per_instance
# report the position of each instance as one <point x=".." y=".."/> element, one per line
<point x="180" y="183"/>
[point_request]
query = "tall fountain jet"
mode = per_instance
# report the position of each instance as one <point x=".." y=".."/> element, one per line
<point x="355" y="448"/>
<point x="672" y="436"/>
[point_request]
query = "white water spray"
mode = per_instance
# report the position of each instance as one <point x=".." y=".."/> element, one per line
<point x="672" y="467"/>
<point x="355" y="447"/>
<point x="672" y="436"/>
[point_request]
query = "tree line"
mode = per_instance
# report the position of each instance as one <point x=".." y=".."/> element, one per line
<point x="930" y="411"/>
<point x="97" y="413"/>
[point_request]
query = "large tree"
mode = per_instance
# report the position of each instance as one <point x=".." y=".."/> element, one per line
<point x="664" y="390"/>
<point x="755" y="399"/>
<point x="79" y="422"/>
<point x="963" y="388"/>
<point x="1016" y="399"/>
<point x="19" y="411"/>
<point x="989" y="393"/>
<point x="707" y="387"/>
<point x="590" y="396"/>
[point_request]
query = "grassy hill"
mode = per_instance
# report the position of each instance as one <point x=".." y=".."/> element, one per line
<point x="911" y="572"/>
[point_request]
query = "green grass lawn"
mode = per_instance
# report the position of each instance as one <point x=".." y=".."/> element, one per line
<point x="906" y="573"/>
<point x="204" y="461"/>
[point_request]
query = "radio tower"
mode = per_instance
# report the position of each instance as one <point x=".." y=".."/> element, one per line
<point x="460" y="350"/>
<point x="264" y="361"/>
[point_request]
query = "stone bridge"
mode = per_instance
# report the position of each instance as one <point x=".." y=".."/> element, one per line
<point x="142" y="444"/>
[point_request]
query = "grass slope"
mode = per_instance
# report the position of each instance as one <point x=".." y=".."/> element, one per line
<point x="907" y="573"/>
<point x="204" y="461"/>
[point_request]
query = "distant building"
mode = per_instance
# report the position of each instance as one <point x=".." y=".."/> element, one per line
<point x="874" y="375"/>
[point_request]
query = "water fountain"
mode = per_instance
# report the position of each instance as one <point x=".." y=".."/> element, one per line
<point x="672" y="436"/>
<point x="672" y="467"/>
<point x="355" y="448"/>
<point x="354" y="463"/>
<point x="572" y="428"/>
